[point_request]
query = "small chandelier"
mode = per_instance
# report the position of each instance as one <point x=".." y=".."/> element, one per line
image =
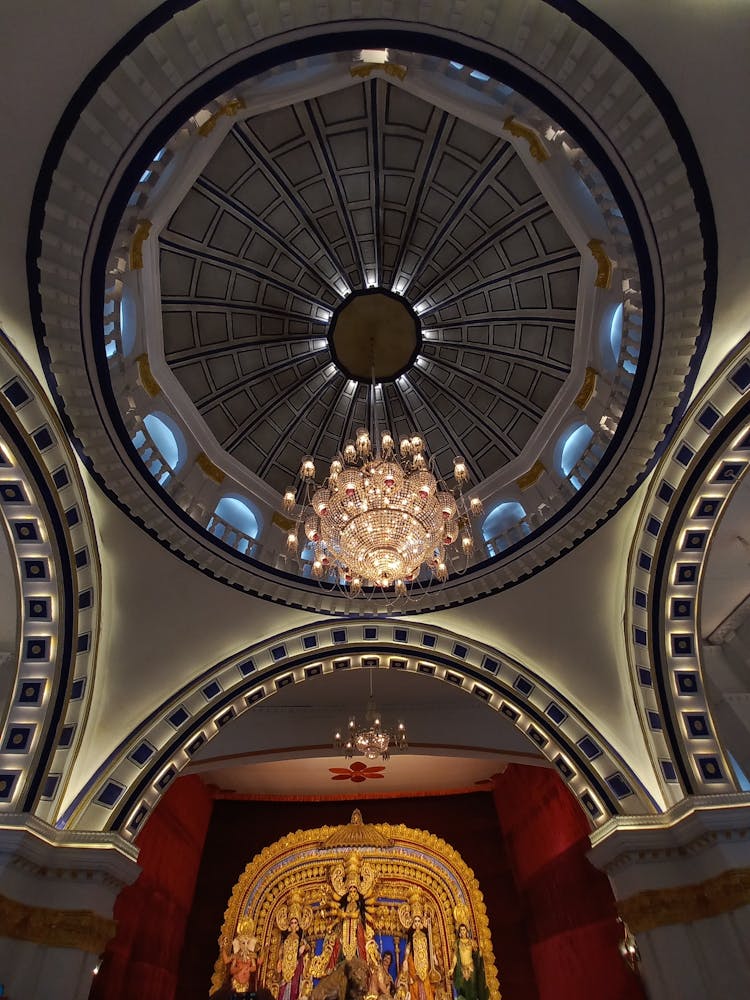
<point x="372" y="739"/>
<point x="382" y="515"/>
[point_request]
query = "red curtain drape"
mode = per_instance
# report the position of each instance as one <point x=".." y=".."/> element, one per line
<point x="568" y="906"/>
<point x="143" y="958"/>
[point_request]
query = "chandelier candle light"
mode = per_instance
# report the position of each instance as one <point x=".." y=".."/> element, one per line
<point x="380" y="517"/>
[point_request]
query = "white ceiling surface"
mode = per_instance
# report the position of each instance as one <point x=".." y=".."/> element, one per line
<point x="699" y="50"/>
<point x="402" y="773"/>
<point x="567" y="624"/>
<point x="164" y="622"/>
<point x="437" y="716"/>
<point x="454" y="740"/>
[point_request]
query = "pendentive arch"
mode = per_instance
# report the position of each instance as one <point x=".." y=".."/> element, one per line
<point x="125" y="788"/>
<point x="50" y="532"/>
<point x="691" y="488"/>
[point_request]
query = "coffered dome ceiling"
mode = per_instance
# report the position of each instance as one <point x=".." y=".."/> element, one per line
<point x="511" y="279"/>
<point x="302" y="208"/>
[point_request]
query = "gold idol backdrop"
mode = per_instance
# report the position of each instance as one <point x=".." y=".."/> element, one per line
<point x="359" y="880"/>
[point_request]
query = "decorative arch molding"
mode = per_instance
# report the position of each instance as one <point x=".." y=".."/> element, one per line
<point x="51" y="536"/>
<point x="124" y="790"/>
<point x="691" y="488"/>
<point x="187" y="53"/>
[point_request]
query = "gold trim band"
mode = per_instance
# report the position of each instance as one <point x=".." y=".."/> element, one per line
<point x="686" y="903"/>
<point x="229" y="110"/>
<point x="81" y="929"/>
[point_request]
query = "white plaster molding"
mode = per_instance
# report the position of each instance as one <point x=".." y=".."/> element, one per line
<point x="695" y="840"/>
<point x="66" y="869"/>
<point x="239" y="689"/>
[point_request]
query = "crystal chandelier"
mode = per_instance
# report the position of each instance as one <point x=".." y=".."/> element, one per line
<point x="372" y="739"/>
<point x="383" y="518"/>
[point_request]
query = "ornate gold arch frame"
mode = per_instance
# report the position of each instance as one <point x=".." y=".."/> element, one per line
<point x="304" y="867"/>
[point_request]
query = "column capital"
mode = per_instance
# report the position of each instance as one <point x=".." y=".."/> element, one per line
<point x="72" y="870"/>
<point x="690" y="863"/>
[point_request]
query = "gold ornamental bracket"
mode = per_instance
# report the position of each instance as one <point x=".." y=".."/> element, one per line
<point x="587" y="390"/>
<point x="209" y="469"/>
<point x="282" y="522"/>
<point x="363" y="69"/>
<point x="228" y="110"/>
<point x="135" y="258"/>
<point x="604" y="265"/>
<point x="146" y="376"/>
<point x="537" y="148"/>
<point x="532" y="476"/>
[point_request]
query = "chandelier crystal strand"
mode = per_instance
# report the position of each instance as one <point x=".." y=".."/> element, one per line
<point x="372" y="739"/>
<point x="382" y="516"/>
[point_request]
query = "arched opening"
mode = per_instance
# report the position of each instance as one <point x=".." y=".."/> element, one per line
<point x="518" y="825"/>
<point x="615" y="333"/>
<point x="161" y="446"/>
<point x="573" y="445"/>
<point x="128" y="322"/>
<point x="260" y="794"/>
<point x="236" y="512"/>
<point x="504" y="525"/>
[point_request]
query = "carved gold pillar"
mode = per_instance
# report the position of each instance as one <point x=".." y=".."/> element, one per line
<point x="682" y="885"/>
<point x="57" y="891"/>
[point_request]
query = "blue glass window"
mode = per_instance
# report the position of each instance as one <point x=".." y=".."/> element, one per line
<point x="165" y="438"/>
<point x="500" y="519"/>
<point x="574" y="446"/>
<point x="240" y="514"/>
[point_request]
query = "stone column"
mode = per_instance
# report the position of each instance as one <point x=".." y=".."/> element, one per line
<point x="57" y="890"/>
<point x="682" y="885"/>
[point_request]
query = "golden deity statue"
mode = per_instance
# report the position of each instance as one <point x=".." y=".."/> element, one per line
<point x="394" y="908"/>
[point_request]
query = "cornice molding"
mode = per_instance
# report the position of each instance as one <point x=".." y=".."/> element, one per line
<point x="32" y="847"/>
<point x="706" y="835"/>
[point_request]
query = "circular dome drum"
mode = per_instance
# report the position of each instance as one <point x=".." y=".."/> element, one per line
<point x="422" y="217"/>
